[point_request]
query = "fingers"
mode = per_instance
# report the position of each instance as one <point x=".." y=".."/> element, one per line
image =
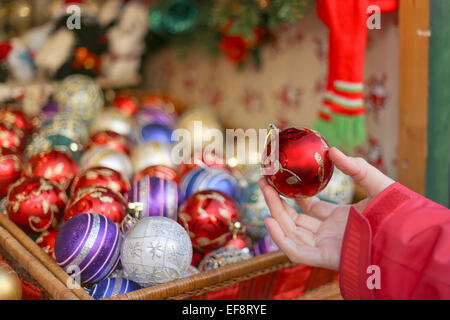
<point x="276" y="207"/>
<point x="297" y="252"/>
<point x="316" y="208"/>
<point x="307" y="222"/>
<point x="362" y="172"/>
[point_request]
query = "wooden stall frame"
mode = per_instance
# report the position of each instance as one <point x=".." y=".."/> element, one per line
<point x="414" y="36"/>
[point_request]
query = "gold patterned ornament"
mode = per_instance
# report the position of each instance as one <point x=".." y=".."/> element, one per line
<point x="80" y="96"/>
<point x="201" y="123"/>
<point x="10" y="285"/>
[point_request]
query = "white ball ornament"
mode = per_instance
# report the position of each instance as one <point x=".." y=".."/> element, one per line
<point x="340" y="189"/>
<point x="106" y="157"/>
<point x="156" y="250"/>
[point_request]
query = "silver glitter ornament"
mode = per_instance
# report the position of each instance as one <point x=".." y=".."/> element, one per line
<point x="156" y="250"/>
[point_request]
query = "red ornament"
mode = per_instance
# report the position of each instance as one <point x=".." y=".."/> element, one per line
<point x="53" y="165"/>
<point x="10" y="169"/>
<point x="196" y="258"/>
<point x="98" y="200"/>
<point x="126" y="103"/>
<point x="111" y="139"/>
<point x="46" y="241"/>
<point x="239" y="242"/>
<point x="11" y="137"/>
<point x="303" y="166"/>
<point x="209" y="217"/>
<point x="157" y="171"/>
<point x="14" y="115"/>
<point x="35" y="204"/>
<point x="101" y="177"/>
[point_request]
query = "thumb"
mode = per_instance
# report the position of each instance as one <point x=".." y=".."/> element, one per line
<point x="373" y="180"/>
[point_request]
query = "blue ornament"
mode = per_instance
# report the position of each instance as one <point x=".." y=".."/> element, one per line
<point x="210" y="178"/>
<point x="254" y="210"/>
<point x="112" y="287"/>
<point x="154" y="132"/>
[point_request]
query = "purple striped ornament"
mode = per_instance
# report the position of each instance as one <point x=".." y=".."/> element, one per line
<point x="88" y="247"/>
<point x="265" y="245"/>
<point x="158" y="196"/>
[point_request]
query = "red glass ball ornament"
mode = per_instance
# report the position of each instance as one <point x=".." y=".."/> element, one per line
<point x="196" y="258"/>
<point x="35" y="204"/>
<point x="97" y="200"/>
<point x="102" y="177"/>
<point x="303" y="168"/>
<point x="126" y="103"/>
<point x="54" y="165"/>
<point x="110" y="139"/>
<point x="11" y="136"/>
<point x="209" y="216"/>
<point x="239" y="241"/>
<point x="157" y="171"/>
<point x="46" y="241"/>
<point x="14" y="115"/>
<point x="10" y="169"/>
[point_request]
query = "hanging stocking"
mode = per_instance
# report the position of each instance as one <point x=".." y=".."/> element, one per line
<point x="341" y="116"/>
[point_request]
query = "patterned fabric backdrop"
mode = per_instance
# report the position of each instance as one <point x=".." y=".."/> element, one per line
<point x="287" y="89"/>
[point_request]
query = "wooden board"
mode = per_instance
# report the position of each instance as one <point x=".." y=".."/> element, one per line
<point x="413" y="93"/>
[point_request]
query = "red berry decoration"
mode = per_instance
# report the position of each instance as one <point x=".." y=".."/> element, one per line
<point x="35" y="204"/>
<point x="11" y="136"/>
<point x="157" y="171"/>
<point x="10" y="169"/>
<point x="97" y="200"/>
<point x="303" y="165"/>
<point x="209" y="217"/>
<point x="14" y="115"/>
<point x="46" y="241"/>
<point x="54" y="165"/>
<point x="110" y="139"/>
<point x="101" y="177"/>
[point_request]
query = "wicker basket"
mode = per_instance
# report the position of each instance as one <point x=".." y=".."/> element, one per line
<point x="250" y="279"/>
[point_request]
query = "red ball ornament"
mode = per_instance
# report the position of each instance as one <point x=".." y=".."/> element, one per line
<point x="11" y="136"/>
<point x="157" y="171"/>
<point x="239" y="241"/>
<point x="209" y="217"/>
<point x="303" y="168"/>
<point x="102" y="177"/>
<point x="10" y="169"/>
<point x="46" y="241"/>
<point x="110" y="139"/>
<point x="196" y="258"/>
<point x="97" y="200"/>
<point x="126" y="103"/>
<point x="35" y="204"/>
<point x="14" y="115"/>
<point x="54" y="165"/>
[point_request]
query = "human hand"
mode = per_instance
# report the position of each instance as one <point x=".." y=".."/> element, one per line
<point x="315" y="237"/>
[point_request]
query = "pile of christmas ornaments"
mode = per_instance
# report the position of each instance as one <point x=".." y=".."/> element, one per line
<point x="97" y="189"/>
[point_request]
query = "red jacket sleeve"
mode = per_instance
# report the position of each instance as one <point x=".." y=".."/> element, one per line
<point x="407" y="238"/>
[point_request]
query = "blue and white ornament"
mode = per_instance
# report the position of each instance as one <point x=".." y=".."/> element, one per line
<point x="199" y="179"/>
<point x="340" y="190"/>
<point x="254" y="210"/>
<point x="154" y="132"/>
<point x="112" y="287"/>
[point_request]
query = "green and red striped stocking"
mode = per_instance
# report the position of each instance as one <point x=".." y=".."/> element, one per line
<point x="341" y="116"/>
